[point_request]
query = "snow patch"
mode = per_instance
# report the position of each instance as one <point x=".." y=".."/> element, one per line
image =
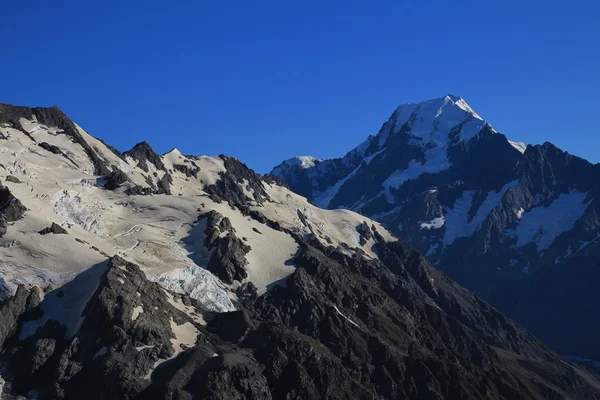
<point x="435" y="223"/>
<point x="585" y="244"/>
<point x="136" y="312"/>
<point x="520" y="146"/>
<point x="346" y="318"/>
<point x="520" y="212"/>
<point x="541" y="225"/>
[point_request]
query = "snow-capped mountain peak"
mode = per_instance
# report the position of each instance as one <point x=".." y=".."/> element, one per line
<point x="438" y="175"/>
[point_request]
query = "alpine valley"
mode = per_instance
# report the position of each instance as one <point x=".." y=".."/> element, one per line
<point x="517" y="225"/>
<point x="143" y="276"/>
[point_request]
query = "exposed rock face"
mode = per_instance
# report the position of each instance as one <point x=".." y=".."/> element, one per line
<point x="55" y="229"/>
<point x="126" y="329"/>
<point x="229" y="186"/>
<point x="515" y="225"/>
<point x="51" y="148"/>
<point x="227" y="260"/>
<point x="164" y="184"/>
<point x="343" y="327"/>
<point x="11" y="209"/>
<point x="13" y="307"/>
<point x="143" y="154"/>
<point x="189" y="171"/>
<point x="13" y="179"/>
<point x="115" y="179"/>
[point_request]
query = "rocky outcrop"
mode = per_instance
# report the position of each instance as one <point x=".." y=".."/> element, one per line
<point x="11" y="209"/>
<point x="228" y="257"/>
<point x="229" y="187"/>
<point x="143" y="154"/>
<point x="13" y="179"/>
<point x="50" y="147"/>
<point x="15" y="307"/>
<point x="127" y="330"/>
<point x="191" y="171"/>
<point x="115" y="179"/>
<point x="55" y="229"/>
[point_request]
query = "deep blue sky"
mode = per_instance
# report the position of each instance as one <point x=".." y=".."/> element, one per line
<point x="267" y="80"/>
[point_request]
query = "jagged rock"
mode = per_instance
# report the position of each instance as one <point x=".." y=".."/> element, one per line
<point x="50" y="147"/>
<point x="11" y="209"/>
<point x="140" y="190"/>
<point x="187" y="170"/>
<point x="13" y="307"/>
<point x="227" y="260"/>
<point x="228" y="187"/>
<point x="55" y="229"/>
<point x="13" y="179"/>
<point x="275" y="180"/>
<point x="164" y="184"/>
<point x="143" y="153"/>
<point x="101" y="359"/>
<point x="115" y="179"/>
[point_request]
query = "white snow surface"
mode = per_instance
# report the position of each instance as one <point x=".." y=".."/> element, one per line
<point x="156" y="232"/>
<point x="432" y="125"/>
<point x="541" y="225"/>
<point x="519" y="146"/>
<point x="435" y="223"/>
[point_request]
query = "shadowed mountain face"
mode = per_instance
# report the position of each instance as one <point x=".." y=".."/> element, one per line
<point x="516" y="224"/>
<point x="179" y="277"/>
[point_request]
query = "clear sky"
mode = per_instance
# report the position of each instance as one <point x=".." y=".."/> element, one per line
<point x="268" y="80"/>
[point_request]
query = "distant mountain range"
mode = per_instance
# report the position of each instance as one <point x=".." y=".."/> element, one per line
<point x="517" y="225"/>
<point x="147" y="276"/>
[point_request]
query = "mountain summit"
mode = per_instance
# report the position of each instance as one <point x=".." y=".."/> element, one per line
<point x="516" y="224"/>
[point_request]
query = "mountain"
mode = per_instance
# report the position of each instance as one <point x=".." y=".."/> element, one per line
<point x="516" y="224"/>
<point x="139" y="275"/>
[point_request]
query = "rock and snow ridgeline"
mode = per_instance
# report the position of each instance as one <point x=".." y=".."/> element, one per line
<point x="492" y="213"/>
<point x="170" y="276"/>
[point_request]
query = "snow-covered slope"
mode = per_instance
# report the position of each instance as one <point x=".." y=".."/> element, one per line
<point x="139" y="220"/>
<point x="499" y="216"/>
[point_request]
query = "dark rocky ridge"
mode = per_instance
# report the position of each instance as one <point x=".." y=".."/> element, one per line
<point x="142" y="152"/>
<point x="54" y="117"/>
<point x="55" y="229"/>
<point x="228" y="257"/>
<point x="229" y="186"/>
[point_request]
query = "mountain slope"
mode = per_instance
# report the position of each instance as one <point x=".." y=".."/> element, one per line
<point x="518" y="225"/>
<point x="141" y="275"/>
